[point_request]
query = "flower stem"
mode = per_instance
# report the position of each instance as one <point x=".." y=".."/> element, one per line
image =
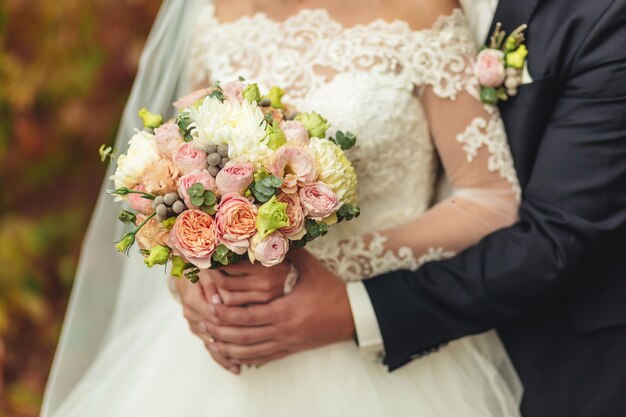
<point x="143" y="223"/>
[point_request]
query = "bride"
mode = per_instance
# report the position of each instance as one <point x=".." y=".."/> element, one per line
<point x="399" y="75"/>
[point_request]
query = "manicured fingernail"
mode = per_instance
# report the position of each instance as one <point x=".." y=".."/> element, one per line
<point x="211" y="340"/>
<point x="234" y="370"/>
<point x="202" y="327"/>
<point x="216" y="299"/>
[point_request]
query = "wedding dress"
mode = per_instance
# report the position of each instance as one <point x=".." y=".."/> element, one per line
<point x="410" y="97"/>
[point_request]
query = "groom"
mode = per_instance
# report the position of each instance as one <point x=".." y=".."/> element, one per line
<point x="554" y="284"/>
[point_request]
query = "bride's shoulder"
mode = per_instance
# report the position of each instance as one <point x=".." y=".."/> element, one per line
<point x="421" y="14"/>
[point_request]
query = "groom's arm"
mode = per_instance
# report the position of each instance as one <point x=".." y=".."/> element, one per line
<point x="576" y="196"/>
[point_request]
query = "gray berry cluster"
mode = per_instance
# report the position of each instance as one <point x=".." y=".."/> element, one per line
<point x="168" y="205"/>
<point x="513" y="81"/>
<point x="217" y="159"/>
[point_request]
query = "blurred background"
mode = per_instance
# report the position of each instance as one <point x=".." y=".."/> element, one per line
<point x="66" y="68"/>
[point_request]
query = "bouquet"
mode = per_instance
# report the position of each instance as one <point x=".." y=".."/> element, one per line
<point x="236" y="173"/>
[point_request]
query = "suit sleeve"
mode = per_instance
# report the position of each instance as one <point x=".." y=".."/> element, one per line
<point x="575" y="197"/>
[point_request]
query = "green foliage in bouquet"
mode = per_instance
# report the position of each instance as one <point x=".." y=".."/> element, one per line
<point x="183" y="120"/>
<point x="203" y="198"/>
<point x="344" y="140"/>
<point x="265" y="187"/>
<point x="224" y="256"/>
<point x="314" y="229"/>
<point x="348" y="212"/>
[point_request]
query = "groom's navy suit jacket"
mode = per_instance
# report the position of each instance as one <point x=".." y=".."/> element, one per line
<point x="554" y="284"/>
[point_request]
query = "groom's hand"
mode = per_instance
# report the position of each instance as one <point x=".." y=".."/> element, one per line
<point x="316" y="313"/>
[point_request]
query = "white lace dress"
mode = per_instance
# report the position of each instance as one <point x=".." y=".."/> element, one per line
<point x="410" y="98"/>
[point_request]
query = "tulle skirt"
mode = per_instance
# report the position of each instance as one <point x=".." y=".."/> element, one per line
<point x="155" y="367"/>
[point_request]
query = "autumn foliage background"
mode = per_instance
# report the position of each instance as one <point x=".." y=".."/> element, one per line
<point x="66" y="68"/>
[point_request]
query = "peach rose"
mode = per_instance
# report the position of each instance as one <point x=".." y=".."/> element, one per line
<point x="270" y="251"/>
<point x="489" y="68"/>
<point x="138" y="203"/>
<point x="234" y="178"/>
<point x="186" y="181"/>
<point x="295" y="165"/>
<point x="233" y="91"/>
<point x="295" y="132"/>
<point x="191" y="98"/>
<point x="167" y="138"/>
<point x="151" y="234"/>
<point x="318" y="200"/>
<point x="236" y="222"/>
<point x="160" y="177"/>
<point x="194" y="237"/>
<point x="295" y="230"/>
<point x="188" y="159"/>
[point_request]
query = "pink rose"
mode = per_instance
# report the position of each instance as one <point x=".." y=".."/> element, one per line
<point x="294" y="164"/>
<point x="194" y="237"/>
<point x="489" y="68"/>
<point x="191" y="98"/>
<point x="188" y="159"/>
<point x="271" y="250"/>
<point x="138" y="203"/>
<point x="234" y="178"/>
<point x="186" y="181"/>
<point x="167" y="138"/>
<point x="295" y="132"/>
<point x="318" y="200"/>
<point x="295" y="230"/>
<point x="233" y="91"/>
<point x="236" y="222"/>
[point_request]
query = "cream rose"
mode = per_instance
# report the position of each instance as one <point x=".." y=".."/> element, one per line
<point x="142" y="151"/>
<point x="236" y="222"/>
<point x="234" y="178"/>
<point x="188" y="159"/>
<point x="318" y="200"/>
<point x="270" y="251"/>
<point x="194" y="237"/>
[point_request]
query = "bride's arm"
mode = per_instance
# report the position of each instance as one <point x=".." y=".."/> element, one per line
<point x="472" y="146"/>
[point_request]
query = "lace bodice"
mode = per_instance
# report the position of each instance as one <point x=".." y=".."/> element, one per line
<point x="375" y="80"/>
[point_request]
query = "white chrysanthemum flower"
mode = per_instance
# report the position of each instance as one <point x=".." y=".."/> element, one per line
<point x="335" y="169"/>
<point x="142" y="151"/>
<point x="241" y="126"/>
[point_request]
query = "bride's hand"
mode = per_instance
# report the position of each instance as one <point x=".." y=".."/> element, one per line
<point x="245" y="283"/>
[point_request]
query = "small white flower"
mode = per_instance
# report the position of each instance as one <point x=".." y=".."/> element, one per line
<point x="241" y="126"/>
<point x="142" y="151"/>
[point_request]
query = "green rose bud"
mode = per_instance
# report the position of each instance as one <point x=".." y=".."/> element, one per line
<point x="276" y="95"/>
<point x="178" y="266"/>
<point x="125" y="243"/>
<point x="314" y="123"/>
<point x="159" y="255"/>
<point x="149" y="119"/>
<point x="276" y="136"/>
<point x="271" y="217"/>
<point x="517" y="58"/>
<point x="511" y="44"/>
<point x="252" y="93"/>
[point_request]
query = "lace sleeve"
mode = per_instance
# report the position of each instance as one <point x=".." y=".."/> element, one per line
<point x="471" y="142"/>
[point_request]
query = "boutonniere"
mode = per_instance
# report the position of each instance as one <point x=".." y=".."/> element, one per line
<point x="499" y="67"/>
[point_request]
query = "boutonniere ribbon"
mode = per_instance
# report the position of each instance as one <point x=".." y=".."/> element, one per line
<point x="500" y="66"/>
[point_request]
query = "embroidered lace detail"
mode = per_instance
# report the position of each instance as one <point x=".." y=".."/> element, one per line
<point x="310" y="48"/>
<point x="491" y="134"/>
<point x="355" y="260"/>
